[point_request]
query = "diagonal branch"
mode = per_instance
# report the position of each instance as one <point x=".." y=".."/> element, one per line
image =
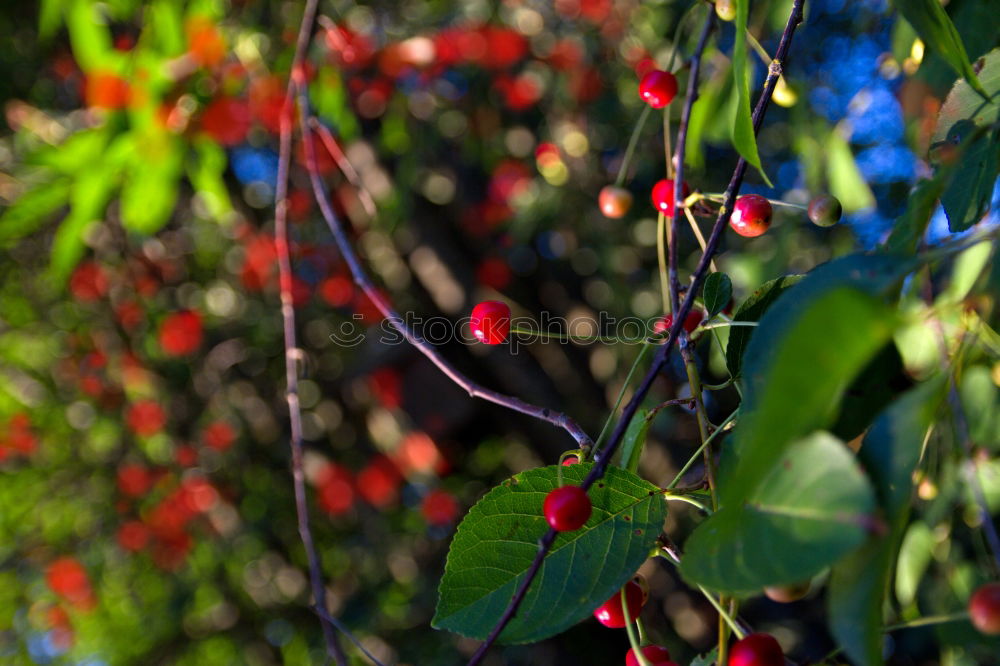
<point x="333" y="646"/>
<point x="603" y="458"/>
<point x="361" y="278"/>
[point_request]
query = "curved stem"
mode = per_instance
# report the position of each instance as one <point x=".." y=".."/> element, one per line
<point x="633" y="640"/>
<point x="633" y="140"/>
<point x="333" y="646"/>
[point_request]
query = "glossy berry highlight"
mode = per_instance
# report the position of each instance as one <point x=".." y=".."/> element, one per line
<point x="567" y="508"/>
<point x="786" y="594"/>
<point x="725" y="10"/>
<point x="756" y="650"/>
<point x="658" y="88"/>
<point x="490" y="322"/>
<point x="657" y="655"/>
<point x="751" y="215"/>
<point x="984" y="609"/>
<point x="663" y="196"/>
<point x="825" y="210"/>
<point x="614" y="201"/>
<point x="612" y="615"/>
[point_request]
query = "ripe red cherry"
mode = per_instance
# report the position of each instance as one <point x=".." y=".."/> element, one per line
<point x="756" y="650"/>
<point x="657" y="655"/>
<point x="490" y="322"/>
<point x="751" y="215"/>
<point x="984" y="609"/>
<point x="663" y="196"/>
<point x="614" y="201"/>
<point x="571" y="460"/>
<point x="567" y="508"/>
<point x="691" y="322"/>
<point x="658" y="88"/>
<point x="180" y="333"/>
<point x="610" y="613"/>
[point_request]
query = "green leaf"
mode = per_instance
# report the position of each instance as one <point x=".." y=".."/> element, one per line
<point x="880" y="381"/>
<point x="207" y="174"/>
<point x="90" y="37"/>
<point x="33" y="209"/>
<point x="981" y="403"/>
<point x="805" y="352"/>
<point x="846" y="181"/>
<point x="716" y="293"/>
<point x="811" y="507"/>
<point x="969" y="265"/>
<point x="914" y="557"/>
<point x="49" y="18"/>
<point x="744" y="139"/>
<point x="859" y="583"/>
<point x="149" y="188"/>
<point x="91" y="193"/>
<point x="166" y="24"/>
<point x="74" y="154"/>
<point x="911" y="226"/>
<point x="961" y="138"/>
<point x="706" y="659"/>
<point x="634" y="440"/>
<point x="752" y="309"/>
<point x="497" y="541"/>
<point x="937" y="31"/>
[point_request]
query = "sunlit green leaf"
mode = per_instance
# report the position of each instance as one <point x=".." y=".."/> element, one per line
<point x="846" y="181"/>
<point x="497" y="541"/>
<point x="716" y="292"/>
<point x="744" y="138"/>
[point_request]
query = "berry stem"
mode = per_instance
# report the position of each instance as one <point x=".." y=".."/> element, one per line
<point x="719" y="198"/>
<point x="697" y="232"/>
<point x="687" y="499"/>
<point x="668" y="553"/>
<point x="723" y="427"/>
<point x="633" y="640"/>
<point x="661" y="260"/>
<point x="632" y="142"/>
<point x="292" y="353"/>
<point x="621" y="395"/>
<point x="761" y="51"/>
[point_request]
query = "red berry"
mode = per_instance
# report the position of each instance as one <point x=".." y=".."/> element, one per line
<point x="67" y="578"/>
<point x="133" y="536"/>
<point x="106" y="90"/>
<point x="611" y="614"/>
<point x="756" y="650"/>
<point x="439" y="507"/>
<point x="691" y="321"/>
<point x="657" y="655"/>
<point x="567" y="508"/>
<point x="663" y="196"/>
<point x="571" y="460"/>
<point x="145" y="418"/>
<point x="984" y="609"/>
<point x="490" y="322"/>
<point x="89" y="282"/>
<point x="614" y="201"/>
<point x="658" y="88"/>
<point x="227" y="120"/>
<point x="180" y="333"/>
<point x="218" y="435"/>
<point x="751" y="215"/>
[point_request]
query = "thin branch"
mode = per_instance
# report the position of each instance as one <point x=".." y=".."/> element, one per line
<point x="603" y="458"/>
<point x="333" y="646"/>
<point x="682" y="129"/>
<point x="367" y="286"/>
<point x="344" y="164"/>
<point x="340" y="625"/>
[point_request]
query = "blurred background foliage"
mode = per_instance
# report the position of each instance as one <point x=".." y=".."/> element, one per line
<point x="146" y="508"/>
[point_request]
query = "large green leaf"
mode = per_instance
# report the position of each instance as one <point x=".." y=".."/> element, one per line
<point x="935" y="28"/>
<point x="812" y="506"/>
<point x="497" y="541"/>
<point x="963" y="129"/>
<point x="752" y="309"/>
<point x="91" y="193"/>
<point x="859" y="583"/>
<point x="806" y="351"/>
<point x="744" y="138"/>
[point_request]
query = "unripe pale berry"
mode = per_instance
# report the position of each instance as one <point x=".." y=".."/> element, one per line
<point x="611" y="614"/>
<point x="490" y="322"/>
<point x="756" y="650"/>
<point x="725" y="9"/>
<point x="751" y="215"/>
<point x="657" y="655"/>
<point x="825" y="210"/>
<point x="567" y="508"/>
<point x="614" y="201"/>
<point x="984" y="609"/>
<point x="786" y="594"/>
<point x="658" y="88"/>
<point x="663" y="196"/>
